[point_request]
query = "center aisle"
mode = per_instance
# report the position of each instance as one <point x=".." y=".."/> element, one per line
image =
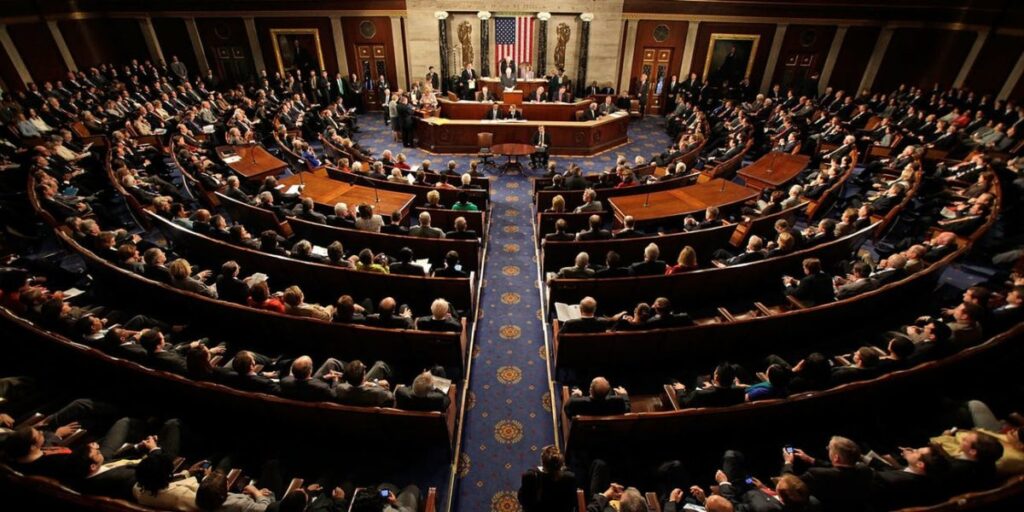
<point x="508" y="411"/>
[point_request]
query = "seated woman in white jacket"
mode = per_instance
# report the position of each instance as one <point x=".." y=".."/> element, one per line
<point x="158" y="486"/>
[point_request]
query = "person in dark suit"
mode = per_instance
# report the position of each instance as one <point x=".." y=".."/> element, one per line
<point x="595" y="232"/>
<point x="248" y="379"/>
<point x="580" y="270"/>
<point x="602" y="400"/>
<point x="368" y="388"/>
<point x="433" y="79"/>
<point x="975" y="468"/>
<point x="559" y="235"/>
<point x="720" y="392"/>
<point x="608" y="107"/>
<point x="663" y="316"/>
<point x="440" y="318"/>
<point x="506" y="65"/>
<point x="494" y="114"/>
<point x="462" y="231"/>
<point x="468" y="82"/>
<point x="229" y="286"/>
<point x="865" y="366"/>
<point x="405" y="120"/>
<point x="753" y="252"/>
<point x="154" y="265"/>
<point x="651" y="265"/>
<point x="303" y="384"/>
<point x="588" y="322"/>
<point x="388" y="316"/>
<point x="484" y="95"/>
<point x="643" y="88"/>
<point x="541" y="142"/>
<point x="508" y="78"/>
<point x="611" y="267"/>
<point x="861" y="282"/>
<point x="842" y="483"/>
<point x="394" y="227"/>
<point x="514" y="113"/>
<point x="405" y="266"/>
<point x="591" y="114"/>
<point x="628" y="229"/>
<point x="422" y="395"/>
<point x="304" y="210"/>
<point x="550" y="487"/>
<point x="159" y="357"/>
<point x="790" y="495"/>
<point x="105" y="468"/>
<point x="538" y="96"/>
<point x="918" y="482"/>
<point x="452" y="267"/>
<point x="814" y="288"/>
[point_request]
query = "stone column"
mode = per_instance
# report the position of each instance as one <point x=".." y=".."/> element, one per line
<point x="62" y="46"/>
<point x="339" y="46"/>
<point x="542" y="44"/>
<point x="1011" y="81"/>
<point x="401" y="81"/>
<point x="773" y="56"/>
<point x="831" y="58"/>
<point x="581" y="71"/>
<point x="442" y="46"/>
<point x="627" y="58"/>
<point x="197" y="45"/>
<point x="485" y="43"/>
<point x="875" y="62"/>
<point x="12" y="52"/>
<point x="691" y="43"/>
<point x="254" y="44"/>
<point x="979" y="42"/>
<point x="152" y="43"/>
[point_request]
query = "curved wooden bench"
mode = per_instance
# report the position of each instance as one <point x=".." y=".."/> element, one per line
<point x="269" y="329"/>
<point x="322" y="282"/>
<point x="697" y="287"/>
<point x="574" y="198"/>
<point x="448" y="195"/>
<point x="352" y="422"/>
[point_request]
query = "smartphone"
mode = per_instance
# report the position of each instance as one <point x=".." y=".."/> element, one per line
<point x="384" y="493"/>
<point x="206" y="464"/>
<point x="749" y="481"/>
<point x="789" y="449"/>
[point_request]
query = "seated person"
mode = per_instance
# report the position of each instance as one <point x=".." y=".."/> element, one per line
<point x="422" y="395"/>
<point x="365" y="388"/>
<point x="602" y="400"/>
<point x="588" y="323"/>
<point x="461" y="231"/>
<point x="440" y="319"/>
<point x="452" y="267"/>
<point x="722" y="391"/>
<point x="303" y="384"/>
<point x="551" y="487"/>
<point x="651" y="265"/>
<point x="578" y="271"/>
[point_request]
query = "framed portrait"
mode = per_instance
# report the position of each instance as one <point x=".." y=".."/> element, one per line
<point x="730" y="57"/>
<point x="297" y="49"/>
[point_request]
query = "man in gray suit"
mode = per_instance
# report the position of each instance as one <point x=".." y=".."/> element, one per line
<point x="579" y="270"/>
<point x="424" y="230"/>
<point x="590" y="202"/>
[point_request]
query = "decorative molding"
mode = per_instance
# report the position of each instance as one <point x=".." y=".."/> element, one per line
<point x="441" y="15"/>
<point x="587" y="17"/>
<point x="564" y="33"/>
<point x="542" y="46"/>
<point x="62" y="46"/>
<point x="543" y="16"/>
<point x="581" y="67"/>
<point x="485" y="43"/>
<point x="483" y="15"/>
<point x="627" y="58"/>
<point x="465" y="32"/>
<point x="965" y="69"/>
<point x="401" y="66"/>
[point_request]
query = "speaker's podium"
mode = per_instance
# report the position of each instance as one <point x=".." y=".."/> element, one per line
<point x="512" y="97"/>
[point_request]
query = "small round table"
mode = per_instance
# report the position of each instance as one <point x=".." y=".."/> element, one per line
<point x="513" y="152"/>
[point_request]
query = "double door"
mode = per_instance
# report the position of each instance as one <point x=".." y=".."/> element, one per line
<point x="655" y="64"/>
<point x="372" y="60"/>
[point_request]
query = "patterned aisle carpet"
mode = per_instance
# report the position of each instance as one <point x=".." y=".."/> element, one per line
<point x="508" y="410"/>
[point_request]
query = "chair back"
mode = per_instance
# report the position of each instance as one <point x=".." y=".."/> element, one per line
<point x="485" y="140"/>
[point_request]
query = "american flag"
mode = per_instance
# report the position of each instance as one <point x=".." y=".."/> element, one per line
<point x="513" y="38"/>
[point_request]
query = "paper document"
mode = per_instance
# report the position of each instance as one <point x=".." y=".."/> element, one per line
<point x="232" y="159"/>
<point x="425" y="263"/>
<point x="293" y="190"/>
<point x="71" y="293"/>
<point x="442" y="384"/>
<point x="566" y="312"/>
<point x="320" y="251"/>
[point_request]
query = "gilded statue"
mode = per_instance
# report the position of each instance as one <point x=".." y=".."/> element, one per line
<point x="563" y="39"/>
<point x="466" y="41"/>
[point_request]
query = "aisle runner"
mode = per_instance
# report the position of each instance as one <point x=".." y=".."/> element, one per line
<point x="508" y="417"/>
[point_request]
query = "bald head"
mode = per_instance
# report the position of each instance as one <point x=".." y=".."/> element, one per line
<point x="599" y="387"/>
<point x="716" y="503"/>
<point x="302" y="367"/>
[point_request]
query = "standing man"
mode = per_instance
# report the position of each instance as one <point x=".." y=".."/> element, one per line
<point x="405" y="118"/>
<point x="556" y="80"/>
<point x="355" y="90"/>
<point x="643" y="87"/>
<point x="323" y="88"/>
<point x="508" y="78"/>
<point x="468" y="82"/>
<point x="433" y="79"/>
<point x="179" y="69"/>
<point x="505" y="64"/>
<point x="541" y="141"/>
<point x="338" y="88"/>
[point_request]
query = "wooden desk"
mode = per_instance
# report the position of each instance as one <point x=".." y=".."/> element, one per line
<point x="773" y="170"/>
<point x="477" y="110"/>
<point x="527" y="86"/>
<point x="439" y="135"/>
<point x="255" y="163"/>
<point x="679" y="202"/>
<point x="513" y="152"/>
<point x="327" y="191"/>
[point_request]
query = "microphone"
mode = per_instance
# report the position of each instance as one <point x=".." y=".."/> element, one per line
<point x="376" y="195"/>
<point x="252" y="152"/>
<point x="723" y="185"/>
<point x="647" y="200"/>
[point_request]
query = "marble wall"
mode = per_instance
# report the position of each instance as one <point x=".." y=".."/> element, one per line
<point x="605" y="31"/>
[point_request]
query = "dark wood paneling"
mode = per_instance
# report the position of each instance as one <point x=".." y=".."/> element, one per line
<point x="858" y="44"/>
<point x="173" y="38"/>
<point x="984" y="12"/>
<point x="382" y="35"/>
<point x="993" y="65"/>
<point x="1018" y="91"/>
<point x="39" y="51"/>
<point x="645" y="39"/>
<point x="705" y="30"/>
<point x="923" y="57"/>
<point x="98" y="40"/>
<point x="323" y="26"/>
<point x="226" y="36"/>
<point x="802" y="43"/>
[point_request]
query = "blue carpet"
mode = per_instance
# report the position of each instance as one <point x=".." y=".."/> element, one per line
<point x="508" y="410"/>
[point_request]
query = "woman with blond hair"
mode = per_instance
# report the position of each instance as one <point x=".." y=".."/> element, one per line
<point x="557" y="205"/>
<point x="687" y="261"/>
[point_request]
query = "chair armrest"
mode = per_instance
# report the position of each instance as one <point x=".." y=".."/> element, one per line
<point x="293" y="486"/>
<point x="581" y="501"/>
<point x="232" y="477"/>
<point x="673" y="398"/>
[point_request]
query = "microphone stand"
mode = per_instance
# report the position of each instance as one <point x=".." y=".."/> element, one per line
<point x="376" y="195"/>
<point x="647" y="199"/>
